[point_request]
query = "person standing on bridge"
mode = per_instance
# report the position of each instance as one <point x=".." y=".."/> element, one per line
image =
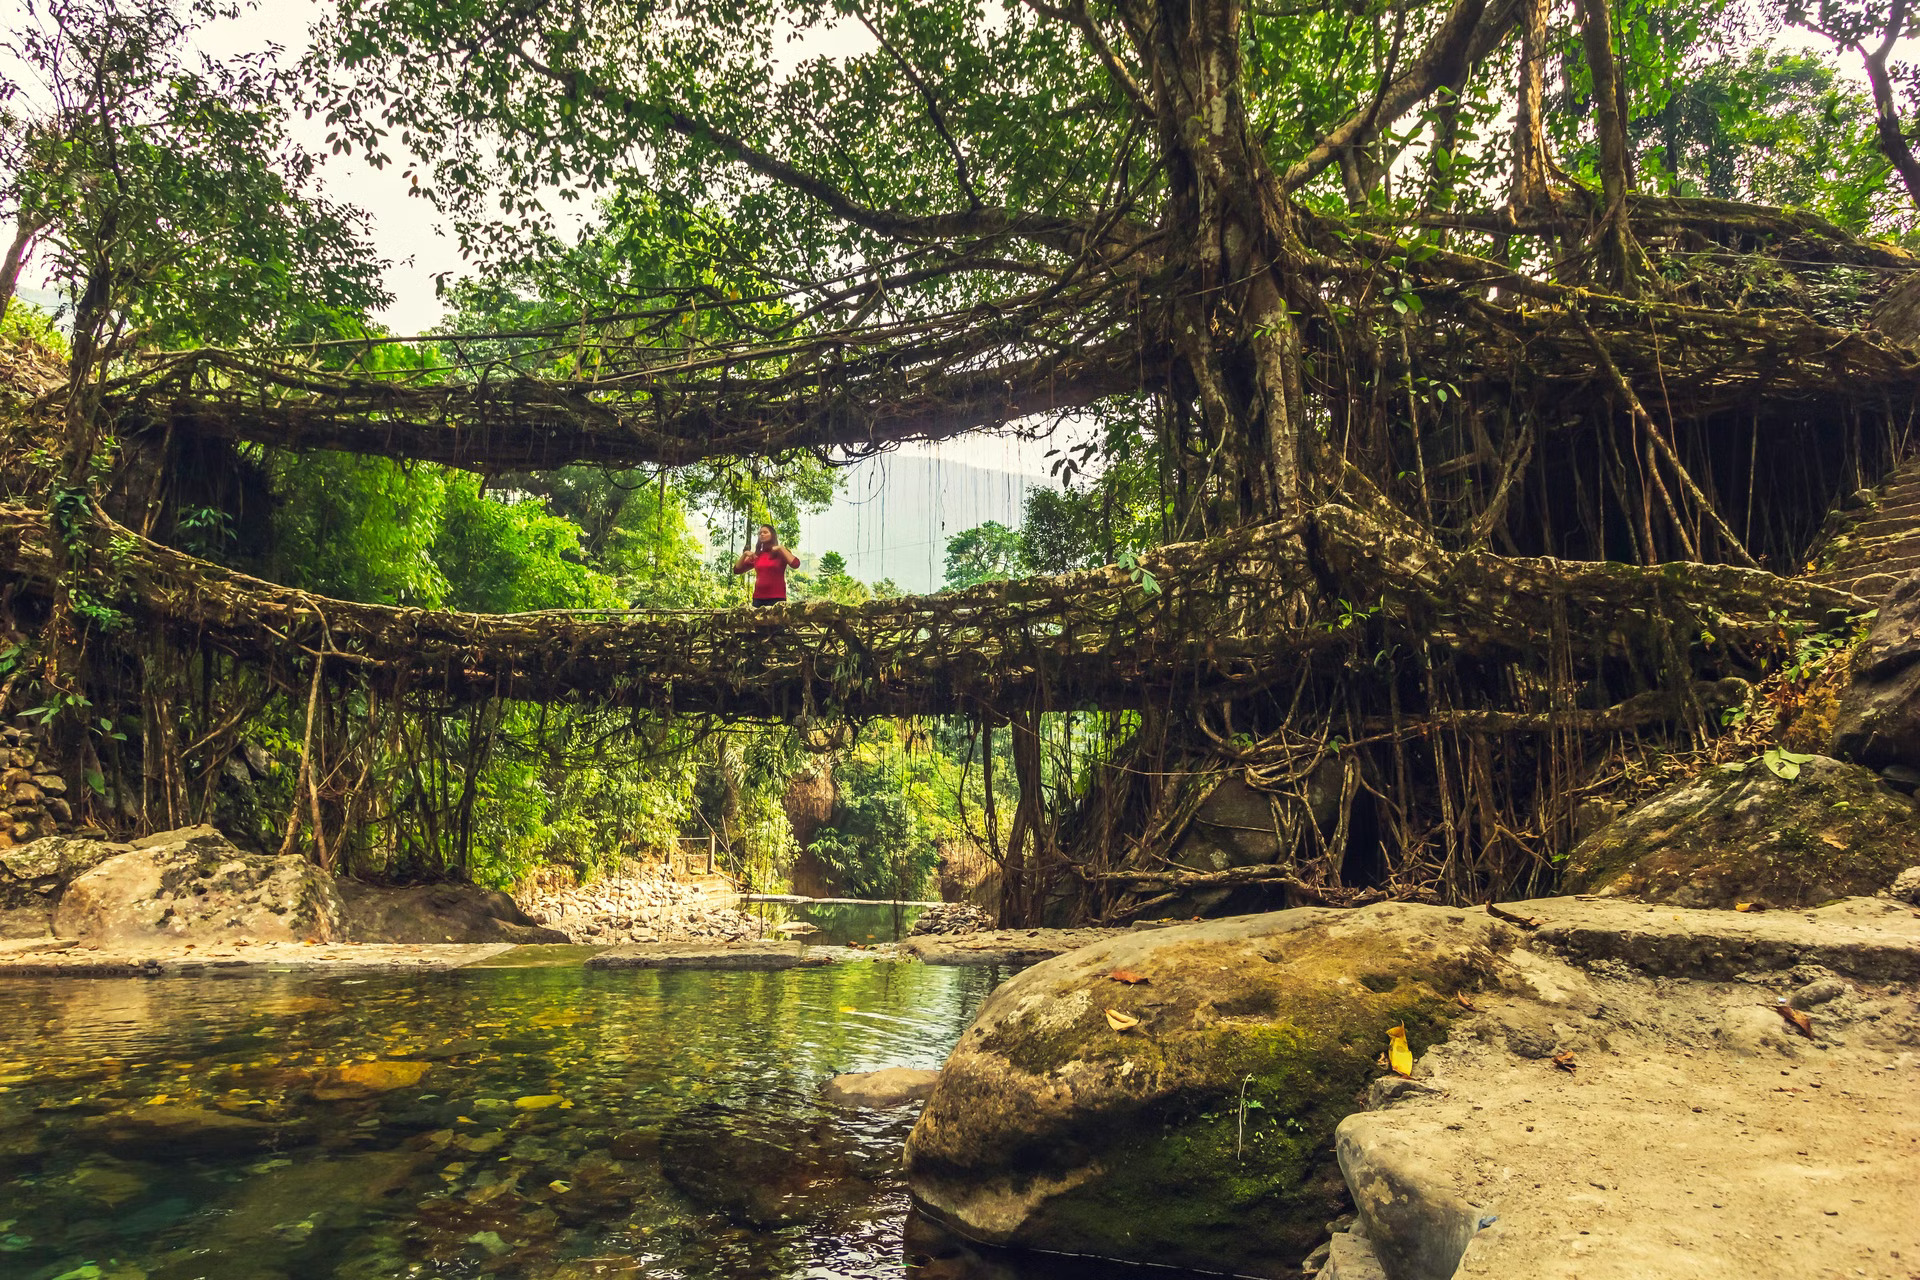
<point x="769" y="562"/>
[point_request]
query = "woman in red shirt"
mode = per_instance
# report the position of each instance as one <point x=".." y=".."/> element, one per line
<point x="769" y="562"/>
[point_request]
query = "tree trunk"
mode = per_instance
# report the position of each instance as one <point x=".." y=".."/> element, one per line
<point x="1886" y="110"/>
<point x="1614" y="241"/>
<point x="70" y="514"/>
<point x="1235" y="326"/>
<point x="16" y="259"/>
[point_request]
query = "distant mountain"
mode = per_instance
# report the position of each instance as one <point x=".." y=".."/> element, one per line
<point x="896" y="511"/>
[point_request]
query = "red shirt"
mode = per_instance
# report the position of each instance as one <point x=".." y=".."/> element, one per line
<point x="769" y="576"/>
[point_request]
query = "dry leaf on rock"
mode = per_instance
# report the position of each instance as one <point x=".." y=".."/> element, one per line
<point x="1565" y="1060"/>
<point x="1797" y="1020"/>
<point x="1466" y="1003"/>
<point x="1127" y="976"/>
<point x="1399" y="1055"/>
<point x="1121" y="1021"/>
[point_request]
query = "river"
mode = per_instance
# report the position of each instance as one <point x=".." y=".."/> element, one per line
<point x="549" y="1123"/>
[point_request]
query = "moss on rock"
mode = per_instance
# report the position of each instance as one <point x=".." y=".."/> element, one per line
<point x="1202" y="1137"/>
<point x="1741" y="833"/>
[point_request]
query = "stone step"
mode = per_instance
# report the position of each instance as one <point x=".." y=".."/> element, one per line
<point x="1878" y="559"/>
<point x="1880" y="525"/>
<point x="1877" y="554"/>
<point x="1890" y="560"/>
<point x="1870" y="587"/>
<point x="1882" y="574"/>
<point x="1888" y="521"/>
<point x="1875" y="551"/>
<point x="1883" y="546"/>
<point x="1886" y="567"/>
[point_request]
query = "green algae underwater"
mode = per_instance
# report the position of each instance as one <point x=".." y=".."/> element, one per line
<point x="548" y="1123"/>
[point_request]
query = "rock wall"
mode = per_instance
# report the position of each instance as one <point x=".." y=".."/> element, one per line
<point x="36" y="794"/>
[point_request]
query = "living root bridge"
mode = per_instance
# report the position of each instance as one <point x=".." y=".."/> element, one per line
<point x="664" y="418"/>
<point x="1235" y="613"/>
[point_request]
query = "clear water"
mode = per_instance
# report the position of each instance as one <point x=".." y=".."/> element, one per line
<point x="840" y="923"/>
<point x="548" y="1123"/>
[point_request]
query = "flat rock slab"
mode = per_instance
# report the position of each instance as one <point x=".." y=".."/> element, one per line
<point x="878" y="1090"/>
<point x="1002" y="946"/>
<point x="541" y="955"/>
<point x="1727" y="1161"/>
<point x="717" y="955"/>
<point x="66" y="958"/>
<point x="1646" y="1110"/>
<point x="1869" y="938"/>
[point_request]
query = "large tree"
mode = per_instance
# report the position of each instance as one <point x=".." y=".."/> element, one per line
<point x="1397" y="341"/>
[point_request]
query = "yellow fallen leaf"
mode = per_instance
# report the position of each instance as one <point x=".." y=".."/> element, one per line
<point x="1121" y="1021"/>
<point x="1399" y="1056"/>
<point x="539" y="1101"/>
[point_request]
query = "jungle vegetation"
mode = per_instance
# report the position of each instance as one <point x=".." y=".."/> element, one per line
<point x="1468" y="381"/>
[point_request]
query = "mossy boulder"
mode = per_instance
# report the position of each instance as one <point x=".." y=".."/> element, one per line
<point x="192" y="885"/>
<point x="34" y="874"/>
<point x="1202" y="1137"/>
<point x="1742" y="833"/>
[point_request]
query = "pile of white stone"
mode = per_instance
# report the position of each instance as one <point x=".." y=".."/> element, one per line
<point x="639" y="905"/>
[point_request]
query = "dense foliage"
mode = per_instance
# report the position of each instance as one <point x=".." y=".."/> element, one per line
<point x="1299" y="248"/>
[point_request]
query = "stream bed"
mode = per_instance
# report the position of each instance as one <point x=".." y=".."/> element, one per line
<point x="544" y="1123"/>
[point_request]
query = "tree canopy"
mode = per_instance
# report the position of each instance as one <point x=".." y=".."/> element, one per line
<point x="1460" y="371"/>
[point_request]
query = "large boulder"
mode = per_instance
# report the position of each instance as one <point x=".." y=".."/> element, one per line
<point x="1202" y="1135"/>
<point x="770" y="1168"/>
<point x="1878" y="722"/>
<point x="436" y="913"/>
<point x="192" y="885"/>
<point x="34" y="875"/>
<point x="1743" y="833"/>
<point x="1239" y="825"/>
<point x="1235" y="826"/>
<point x="38" y="871"/>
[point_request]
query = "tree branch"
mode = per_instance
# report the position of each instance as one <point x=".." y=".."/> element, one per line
<point x="934" y="113"/>
<point x="1471" y="31"/>
<point x="1077" y="16"/>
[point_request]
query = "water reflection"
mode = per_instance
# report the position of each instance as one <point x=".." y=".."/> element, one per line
<point x="837" y="924"/>
<point x="542" y="1123"/>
